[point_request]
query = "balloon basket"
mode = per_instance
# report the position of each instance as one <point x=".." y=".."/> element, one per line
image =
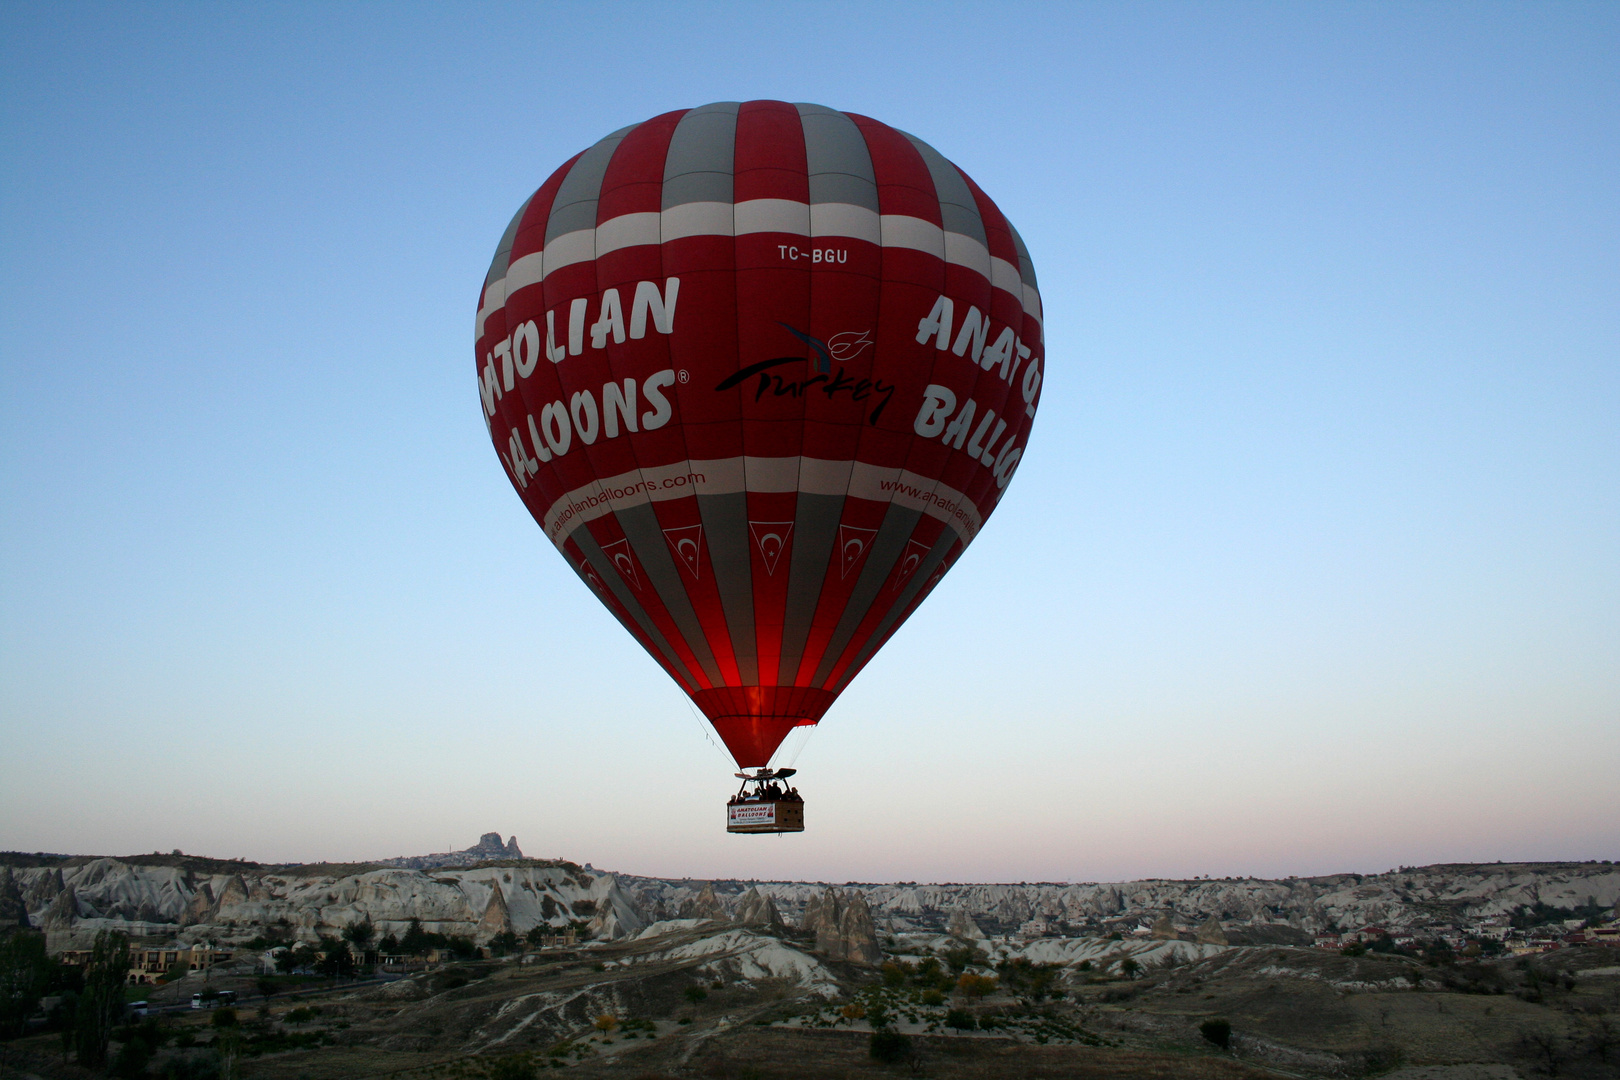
<point x="765" y="817"/>
<point x="763" y="805"/>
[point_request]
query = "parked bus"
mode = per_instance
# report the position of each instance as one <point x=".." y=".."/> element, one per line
<point x="213" y="999"/>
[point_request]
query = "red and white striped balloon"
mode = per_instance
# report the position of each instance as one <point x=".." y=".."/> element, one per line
<point x="760" y="371"/>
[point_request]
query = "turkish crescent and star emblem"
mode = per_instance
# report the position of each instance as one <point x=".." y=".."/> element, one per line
<point x="623" y="561"/>
<point x="772" y="538"/>
<point x="687" y="543"/>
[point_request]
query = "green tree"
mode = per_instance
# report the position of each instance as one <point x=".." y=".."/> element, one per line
<point x="419" y="942"/>
<point x="25" y="972"/>
<point x="360" y="934"/>
<point x="336" y="961"/>
<point x="102" y="1003"/>
<point x="300" y="957"/>
<point x="504" y="943"/>
<point x="1217" y="1031"/>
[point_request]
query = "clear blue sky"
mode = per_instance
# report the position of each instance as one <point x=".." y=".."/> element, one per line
<point x="1313" y="564"/>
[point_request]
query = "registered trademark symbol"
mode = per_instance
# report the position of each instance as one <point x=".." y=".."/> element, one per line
<point x="684" y="376"/>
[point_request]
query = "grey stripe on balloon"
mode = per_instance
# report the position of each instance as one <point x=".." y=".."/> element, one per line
<point x="840" y="165"/>
<point x="815" y="530"/>
<point x="1026" y="268"/>
<point x="574" y="208"/>
<point x="503" y="250"/>
<point x="647" y="540"/>
<point x="958" y="209"/>
<point x="614" y="581"/>
<point x="725" y="528"/>
<point x="887" y="547"/>
<point x="698" y="164"/>
<point x="925" y="571"/>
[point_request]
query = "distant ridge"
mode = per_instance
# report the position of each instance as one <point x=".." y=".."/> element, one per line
<point x="489" y="847"/>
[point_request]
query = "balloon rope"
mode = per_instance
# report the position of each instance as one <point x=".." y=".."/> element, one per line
<point x="797" y="740"/>
<point x="703" y="727"/>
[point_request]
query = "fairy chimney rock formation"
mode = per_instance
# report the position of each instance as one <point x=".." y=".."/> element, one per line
<point x="705" y="905"/>
<point x="201" y="907"/>
<point x="234" y="892"/>
<point x="1164" y="929"/>
<point x="963" y="928"/>
<point x="757" y="909"/>
<point x="1210" y="933"/>
<point x="62" y="911"/>
<point x="857" y="935"/>
<point x="497" y="917"/>
<point x="46" y="887"/>
<point x="844" y="928"/>
<point x="822" y="911"/>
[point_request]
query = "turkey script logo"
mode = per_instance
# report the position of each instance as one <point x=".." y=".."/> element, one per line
<point x="842" y="348"/>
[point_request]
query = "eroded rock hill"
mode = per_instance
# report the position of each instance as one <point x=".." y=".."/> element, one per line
<point x="193" y="899"/>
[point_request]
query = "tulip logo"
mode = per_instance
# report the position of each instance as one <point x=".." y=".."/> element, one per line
<point x="841" y="347"/>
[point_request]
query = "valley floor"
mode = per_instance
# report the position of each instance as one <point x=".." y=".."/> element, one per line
<point x="714" y="1000"/>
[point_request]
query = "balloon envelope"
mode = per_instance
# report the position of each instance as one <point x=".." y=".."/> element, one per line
<point x="760" y="371"/>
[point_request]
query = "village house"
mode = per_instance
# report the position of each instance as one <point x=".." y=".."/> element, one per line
<point x="148" y="965"/>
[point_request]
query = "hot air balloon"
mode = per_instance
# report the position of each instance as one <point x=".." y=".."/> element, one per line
<point x="761" y="372"/>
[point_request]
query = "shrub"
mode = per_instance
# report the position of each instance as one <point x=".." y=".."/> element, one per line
<point x="960" y="1019"/>
<point x="606" y="1022"/>
<point x="933" y="997"/>
<point x="516" y="1067"/>
<point x="224" y="1018"/>
<point x="1217" y="1031"/>
<point x="1085" y="965"/>
<point x="976" y="986"/>
<point x="695" y="994"/>
<point x="853" y="1011"/>
<point x="1129" y="967"/>
<point x="894" y="974"/>
<point x="889" y="1045"/>
<point x="131" y="1059"/>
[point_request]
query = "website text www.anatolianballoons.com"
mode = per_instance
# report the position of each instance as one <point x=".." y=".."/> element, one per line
<point x="629" y="491"/>
<point x="953" y="507"/>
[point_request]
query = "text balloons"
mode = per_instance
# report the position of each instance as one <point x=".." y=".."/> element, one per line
<point x="761" y="372"/>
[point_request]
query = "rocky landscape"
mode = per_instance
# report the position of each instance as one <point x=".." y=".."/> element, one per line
<point x="735" y="979"/>
<point x="489" y="888"/>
